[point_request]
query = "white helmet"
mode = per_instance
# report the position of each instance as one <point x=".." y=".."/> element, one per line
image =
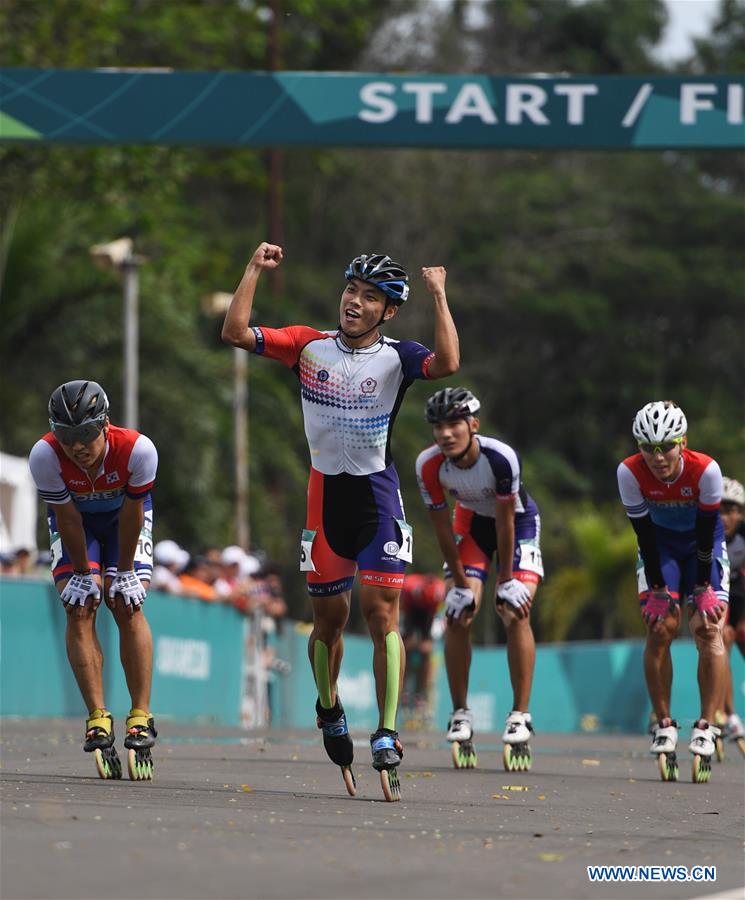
<point x="732" y="491"/>
<point x="659" y="421"/>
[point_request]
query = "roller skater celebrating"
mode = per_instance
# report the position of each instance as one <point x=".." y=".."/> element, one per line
<point x="96" y="479"/>
<point x="352" y="383"/>
<point x="672" y="495"/>
<point x="493" y="512"/>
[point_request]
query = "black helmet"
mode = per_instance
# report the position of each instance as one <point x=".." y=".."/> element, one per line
<point x="77" y="411"/>
<point x="451" y="403"/>
<point x="383" y="273"/>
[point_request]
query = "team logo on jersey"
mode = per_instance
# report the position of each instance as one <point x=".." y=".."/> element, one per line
<point x="368" y="386"/>
<point x="391" y="548"/>
<point x="686" y="492"/>
<point x="112" y="478"/>
<point x="322" y="375"/>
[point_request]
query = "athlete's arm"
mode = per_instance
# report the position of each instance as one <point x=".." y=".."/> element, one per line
<point x="440" y="519"/>
<point x="707" y="516"/>
<point x="638" y="512"/>
<point x="446" y="360"/>
<point x="235" y="328"/>
<point x="72" y="533"/>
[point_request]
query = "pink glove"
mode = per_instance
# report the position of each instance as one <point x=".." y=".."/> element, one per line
<point x="659" y="604"/>
<point x="706" y="600"/>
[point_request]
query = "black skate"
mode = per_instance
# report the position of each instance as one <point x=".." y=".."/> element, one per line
<point x="99" y="739"/>
<point x="337" y="742"/>
<point x="141" y="735"/>
<point x="387" y="753"/>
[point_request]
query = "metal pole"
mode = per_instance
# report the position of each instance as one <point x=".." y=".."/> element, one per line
<point x="240" y="419"/>
<point x="131" y="342"/>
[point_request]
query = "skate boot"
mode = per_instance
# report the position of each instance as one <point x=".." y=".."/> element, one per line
<point x="517" y="756"/>
<point x="460" y="735"/>
<point x="663" y="746"/>
<point x="703" y="747"/>
<point x="140" y="738"/>
<point x="99" y="739"/>
<point x="337" y="742"/>
<point x="735" y="731"/>
<point x="386" y="753"/>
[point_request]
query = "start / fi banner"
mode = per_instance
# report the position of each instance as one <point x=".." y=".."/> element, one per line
<point x="339" y="109"/>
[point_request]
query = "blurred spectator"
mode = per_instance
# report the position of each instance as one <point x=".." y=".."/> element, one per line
<point x="22" y="562"/>
<point x="195" y="581"/>
<point x="170" y="560"/>
<point x="421" y="596"/>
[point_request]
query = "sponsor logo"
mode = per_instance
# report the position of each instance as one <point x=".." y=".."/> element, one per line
<point x="183" y="658"/>
<point x="112" y="477"/>
<point x="391" y="547"/>
<point x="322" y="375"/>
<point x="368" y="386"/>
<point x="75" y="481"/>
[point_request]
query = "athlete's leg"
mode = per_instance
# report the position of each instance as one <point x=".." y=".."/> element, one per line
<point x="520" y="651"/>
<point x="458" y="646"/>
<point x="326" y="644"/>
<point x="84" y="650"/>
<point x="728" y="636"/>
<point x="379" y="606"/>
<point x="712" y="663"/>
<point x="658" y="663"/>
<point x="135" y="651"/>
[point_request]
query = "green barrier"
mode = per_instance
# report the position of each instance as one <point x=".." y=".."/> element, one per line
<point x="579" y="686"/>
<point x="197" y="667"/>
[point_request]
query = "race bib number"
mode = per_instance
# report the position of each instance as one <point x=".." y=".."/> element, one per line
<point x="405" y="552"/>
<point x="144" y="550"/>
<point x="306" y="551"/>
<point x="530" y="558"/>
<point x="55" y="547"/>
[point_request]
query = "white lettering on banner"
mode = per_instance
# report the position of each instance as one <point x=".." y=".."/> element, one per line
<point x="423" y="92"/>
<point x="637" y="105"/>
<point x="692" y="99"/>
<point x="386" y="109"/>
<point x="735" y="107"/>
<point x="575" y="94"/>
<point x="525" y="100"/>
<point x="526" y="103"/>
<point x="358" y="690"/>
<point x="183" y="658"/>
<point x="471" y="101"/>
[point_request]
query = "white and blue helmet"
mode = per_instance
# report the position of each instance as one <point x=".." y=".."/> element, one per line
<point x="382" y="272"/>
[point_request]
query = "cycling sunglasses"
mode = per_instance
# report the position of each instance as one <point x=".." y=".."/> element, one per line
<point x="662" y="447"/>
<point x="74" y="434"/>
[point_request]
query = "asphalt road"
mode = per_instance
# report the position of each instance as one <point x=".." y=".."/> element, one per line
<point x="238" y="815"/>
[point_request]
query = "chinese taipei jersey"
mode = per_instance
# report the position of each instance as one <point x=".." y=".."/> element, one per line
<point x="128" y="469"/>
<point x="350" y="397"/>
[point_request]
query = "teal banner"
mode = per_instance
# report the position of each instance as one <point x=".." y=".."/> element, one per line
<point x="197" y="666"/>
<point x="593" y="686"/>
<point x="125" y="106"/>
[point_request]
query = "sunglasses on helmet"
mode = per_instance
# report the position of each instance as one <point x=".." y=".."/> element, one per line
<point x="661" y="447"/>
<point x="74" y="434"/>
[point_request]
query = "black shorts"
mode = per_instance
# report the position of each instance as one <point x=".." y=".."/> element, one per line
<point x="418" y="620"/>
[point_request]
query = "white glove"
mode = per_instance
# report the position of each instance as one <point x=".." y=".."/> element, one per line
<point x="130" y="587"/>
<point x="78" y="589"/>
<point x="514" y="592"/>
<point x="457" y="601"/>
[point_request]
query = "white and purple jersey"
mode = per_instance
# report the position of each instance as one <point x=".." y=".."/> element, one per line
<point x="350" y="397"/>
<point x="494" y="477"/>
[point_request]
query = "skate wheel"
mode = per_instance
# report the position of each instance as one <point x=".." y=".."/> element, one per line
<point x="701" y="769"/>
<point x="719" y="748"/>
<point x="517" y="758"/>
<point x="668" y="766"/>
<point x="464" y="755"/>
<point x="390" y="784"/>
<point x="350" y="782"/>
<point x="108" y="763"/>
<point x="741" y="744"/>
<point x="140" y="765"/>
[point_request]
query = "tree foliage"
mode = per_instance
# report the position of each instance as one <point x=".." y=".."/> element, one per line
<point x="583" y="284"/>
